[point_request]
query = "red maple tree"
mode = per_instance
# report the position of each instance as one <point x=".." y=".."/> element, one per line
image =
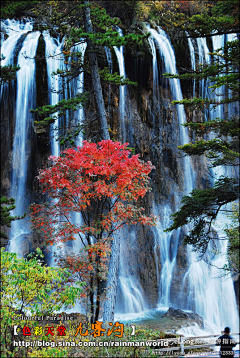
<point x="103" y="182"/>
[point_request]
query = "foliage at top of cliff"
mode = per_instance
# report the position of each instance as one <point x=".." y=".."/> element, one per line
<point x="199" y="18"/>
<point x="13" y="9"/>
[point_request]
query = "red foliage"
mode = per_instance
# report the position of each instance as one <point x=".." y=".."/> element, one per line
<point x="101" y="181"/>
<point x="184" y="6"/>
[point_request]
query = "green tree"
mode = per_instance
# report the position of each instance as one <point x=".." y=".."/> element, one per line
<point x="8" y="73"/>
<point x="232" y="232"/>
<point x="85" y="21"/>
<point x="12" y="9"/>
<point x="7" y="205"/>
<point x="201" y="207"/>
<point x="28" y="287"/>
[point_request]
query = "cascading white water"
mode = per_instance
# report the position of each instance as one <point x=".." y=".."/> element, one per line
<point x="168" y="254"/>
<point x="110" y="66"/>
<point x="155" y="69"/>
<point x="23" y="124"/>
<point x="193" y="60"/>
<point x="162" y="239"/>
<point x="55" y="61"/>
<point x="233" y="108"/>
<point x="77" y="87"/>
<point x="122" y="89"/>
<point x="14" y="29"/>
<point x="130" y="294"/>
<point x="203" y="57"/>
<point x="167" y="53"/>
<point x="207" y="294"/>
<point x="214" y="299"/>
<point x="131" y="297"/>
<point x="218" y="112"/>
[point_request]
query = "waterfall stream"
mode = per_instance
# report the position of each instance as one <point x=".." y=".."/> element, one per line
<point x="122" y="89"/>
<point x="214" y="297"/>
<point x="14" y="30"/>
<point x="57" y="91"/>
<point x="77" y="87"/>
<point x="167" y="53"/>
<point x="207" y="293"/>
<point x="23" y="134"/>
<point x="193" y="60"/>
<point x="110" y="66"/>
<point x="55" y="61"/>
<point x="168" y="256"/>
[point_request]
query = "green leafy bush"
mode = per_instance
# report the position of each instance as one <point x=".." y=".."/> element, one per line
<point x="30" y="288"/>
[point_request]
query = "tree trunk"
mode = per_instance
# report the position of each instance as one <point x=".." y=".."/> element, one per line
<point x="95" y="77"/>
<point x="91" y="297"/>
<point x="97" y="311"/>
<point x="112" y="283"/>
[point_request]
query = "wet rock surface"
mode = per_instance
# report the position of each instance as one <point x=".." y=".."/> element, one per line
<point x="177" y="314"/>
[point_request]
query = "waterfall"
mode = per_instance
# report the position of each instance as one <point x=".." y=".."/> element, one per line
<point x="110" y="66"/>
<point x="167" y="53"/>
<point x="214" y="299"/>
<point x="26" y="92"/>
<point x="77" y="87"/>
<point x="233" y="108"/>
<point x="57" y="90"/>
<point x="155" y="69"/>
<point x="130" y="295"/>
<point x="122" y="89"/>
<point x="203" y="57"/>
<point x="193" y="60"/>
<point x="14" y="30"/>
<point x="162" y="239"/>
<point x="218" y="112"/>
<point x="208" y="296"/>
<point x="167" y="254"/>
<point x="55" y="60"/>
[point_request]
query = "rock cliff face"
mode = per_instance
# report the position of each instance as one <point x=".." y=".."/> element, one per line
<point x="7" y="130"/>
<point x="155" y="135"/>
